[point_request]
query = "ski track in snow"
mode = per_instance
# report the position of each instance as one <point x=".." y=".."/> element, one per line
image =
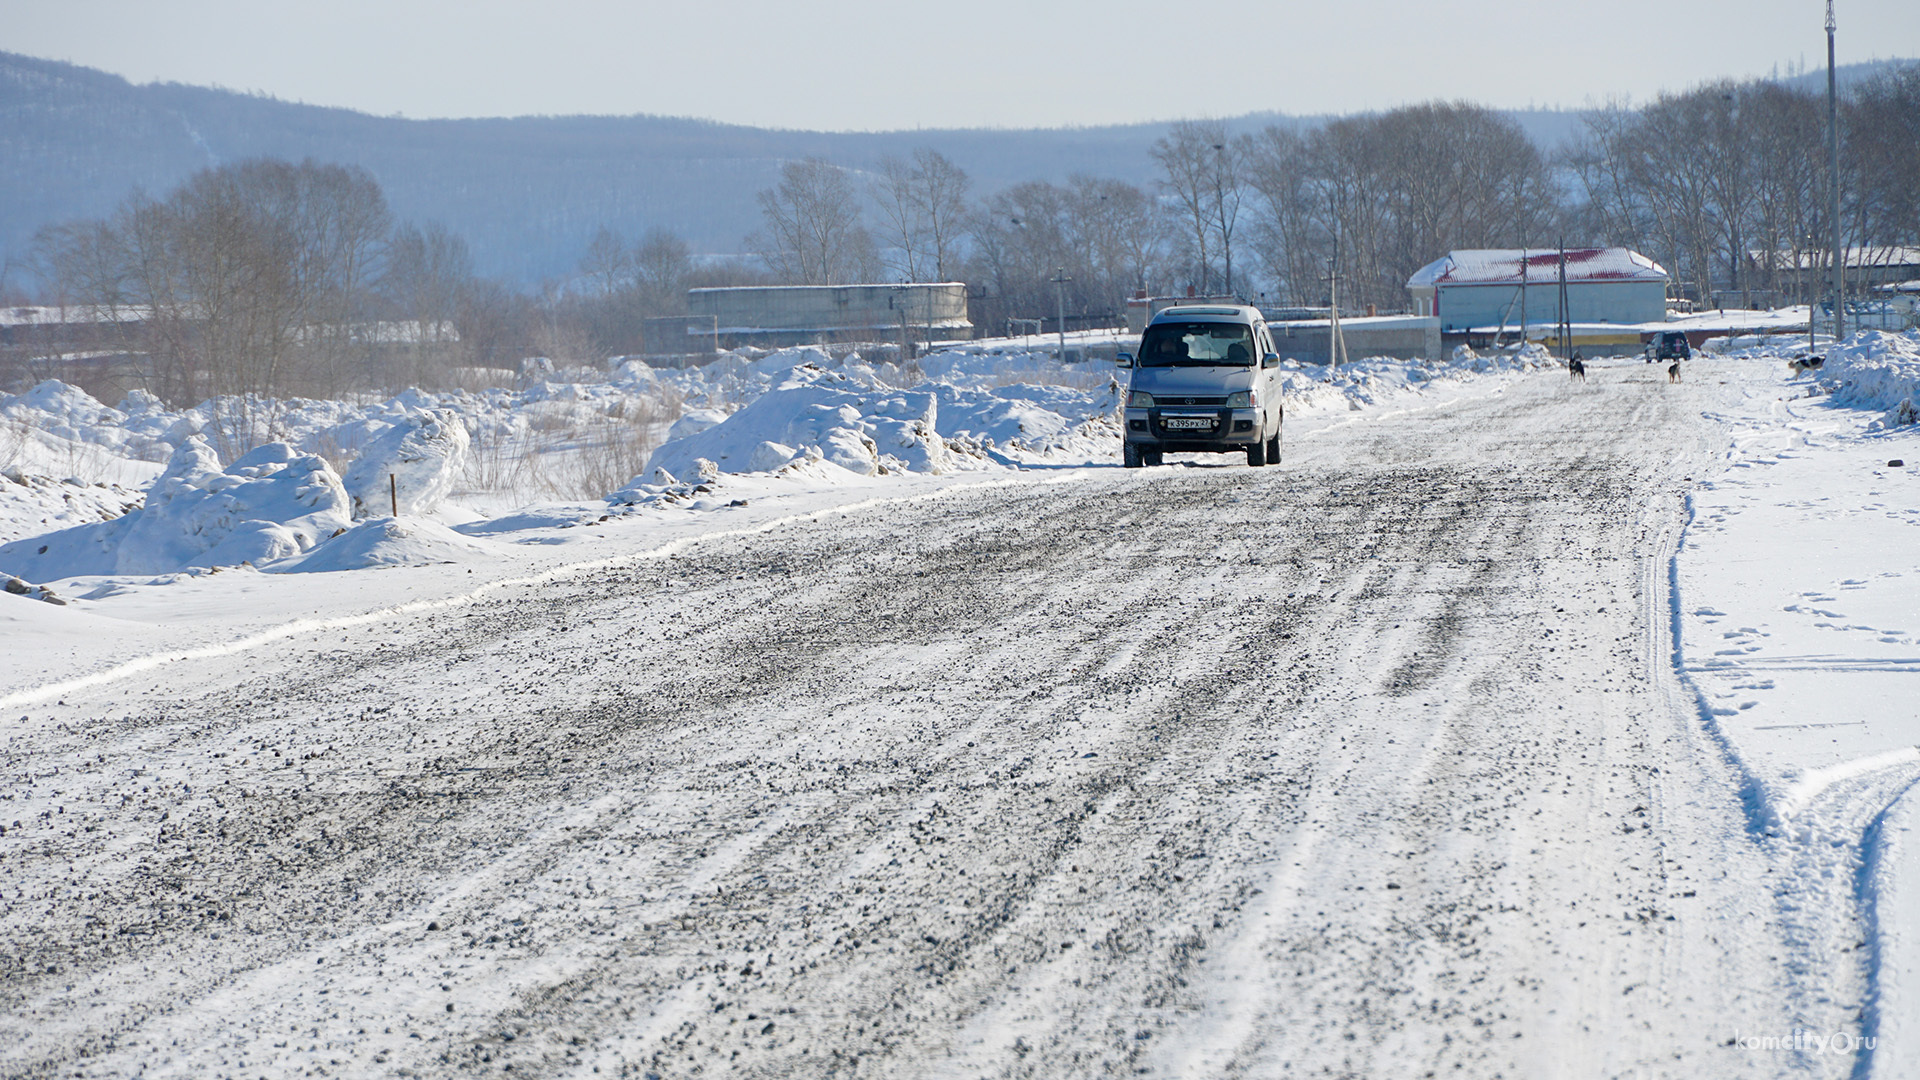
<point x="1378" y="763"/>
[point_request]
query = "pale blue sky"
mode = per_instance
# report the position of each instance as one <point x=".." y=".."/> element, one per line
<point x="873" y="65"/>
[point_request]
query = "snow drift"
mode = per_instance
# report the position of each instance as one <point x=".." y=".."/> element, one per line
<point x="387" y="542"/>
<point x="413" y="463"/>
<point x="269" y="504"/>
<point x="1875" y="369"/>
<point x="820" y="415"/>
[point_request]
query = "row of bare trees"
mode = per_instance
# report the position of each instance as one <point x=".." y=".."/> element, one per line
<point x="234" y="273"/>
<point x="1230" y="214"/>
<point x="267" y="277"/>
<point x="1703" y="180"/>
<point x="1699" y="180"/>
<point x="1095" y="238"/>
<point x="1374" y="198"/>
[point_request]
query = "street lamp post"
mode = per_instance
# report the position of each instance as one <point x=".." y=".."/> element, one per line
<point x="1833" y="170"/>
<point x="1220" y="203"/>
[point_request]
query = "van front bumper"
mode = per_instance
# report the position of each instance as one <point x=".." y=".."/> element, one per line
<point x="1191" y="429"/>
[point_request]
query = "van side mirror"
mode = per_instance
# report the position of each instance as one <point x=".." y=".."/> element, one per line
<point x="1272" y="359"/>
<point x="1123" y="359"/>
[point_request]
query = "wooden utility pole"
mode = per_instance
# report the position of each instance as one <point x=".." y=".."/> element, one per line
<point x="1566" y="316"/>
<point x="1060" y="280"/>
<point x="1523" y="297"/>
<point x="1336" y="339"/>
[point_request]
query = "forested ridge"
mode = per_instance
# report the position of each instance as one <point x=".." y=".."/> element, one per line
<point x="236" y="244"/>
<point x="527" y="193"/>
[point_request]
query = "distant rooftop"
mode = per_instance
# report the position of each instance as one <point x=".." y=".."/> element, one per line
<point x="917" y="285"/>
<point x="1856" y="258"/>
<point x="1501" y="266"/>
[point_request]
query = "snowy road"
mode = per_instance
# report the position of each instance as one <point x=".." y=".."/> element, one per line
<point x="1371" y="764"/>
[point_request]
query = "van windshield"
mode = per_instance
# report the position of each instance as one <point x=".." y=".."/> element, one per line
<point x="1197" y="344"/>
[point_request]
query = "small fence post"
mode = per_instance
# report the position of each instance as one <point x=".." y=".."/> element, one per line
<point x="393" y="493"/>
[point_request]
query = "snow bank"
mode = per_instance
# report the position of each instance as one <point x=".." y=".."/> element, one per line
<point x="1875" y="369"/>
<point x="415" y="462"/>
<point x="59" y="409"/>
<point x="388" y="542"/>
<point x="816" y="414"/>
<point x="60" y="428"/>
<point x="965" y="411"/>
<point x="270" y="504"/>
<point x="1377" y="380"/>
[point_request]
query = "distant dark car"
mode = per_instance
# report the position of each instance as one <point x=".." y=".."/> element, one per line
<point x="1668" y="345"/>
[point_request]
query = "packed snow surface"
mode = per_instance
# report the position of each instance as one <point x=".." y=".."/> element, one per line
<point x="800" y="713"/>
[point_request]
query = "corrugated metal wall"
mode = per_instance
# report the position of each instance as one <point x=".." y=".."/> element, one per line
<point x="1464" y="307"/>
<point x="837" y="309"/>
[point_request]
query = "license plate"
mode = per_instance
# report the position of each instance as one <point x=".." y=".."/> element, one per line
<point x="1187" y="423"/>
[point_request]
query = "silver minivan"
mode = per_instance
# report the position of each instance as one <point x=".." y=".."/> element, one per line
<point x="1207" y="380"/>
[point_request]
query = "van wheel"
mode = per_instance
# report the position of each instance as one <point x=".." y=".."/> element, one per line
<point x="1257" y="454"/>
<point x="1131" y="455"/>
<point x="1273" y="449"/>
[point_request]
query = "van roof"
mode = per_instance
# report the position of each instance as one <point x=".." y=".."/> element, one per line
<point x="1189" y="312"/>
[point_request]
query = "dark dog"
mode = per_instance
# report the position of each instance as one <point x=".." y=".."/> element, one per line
<point x="1673" y="372"/>
<point x="1576" y="369"/>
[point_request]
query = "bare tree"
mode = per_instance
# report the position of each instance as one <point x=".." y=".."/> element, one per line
<point x="923" y="205"/>
<point x="1459" y="176"/>
<point x="619" y="288"/>
<point x="1290" y="233"/>
<point x="942" y="188"/>
<point x="1117" y="236"/>
<point x="1020" y="239"/>
<point x="248" y="278"/>
<point x="1346" y="161"/>
<point x="903" y="224"/>
<point x="662" y="267"/>
<point x="1787" y="193"/>
<point x="814" y="234"/>
<point x="607" y="264"/>
<point x="1390" y="193"/>
<point x="1193" y="177"/>
<point x="1612" y="209"/>
<point x="1883" y="142"/>
<point x="1107" y="236"/>
<point x="429" y="284"/>
<point x="1662" y="179"/>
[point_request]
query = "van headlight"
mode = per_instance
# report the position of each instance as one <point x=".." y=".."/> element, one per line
<point x="1139" y="399"/>
<point x="1242" y="399"/>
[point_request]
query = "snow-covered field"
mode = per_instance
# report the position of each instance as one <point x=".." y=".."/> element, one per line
<point x="801" y="716"/>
